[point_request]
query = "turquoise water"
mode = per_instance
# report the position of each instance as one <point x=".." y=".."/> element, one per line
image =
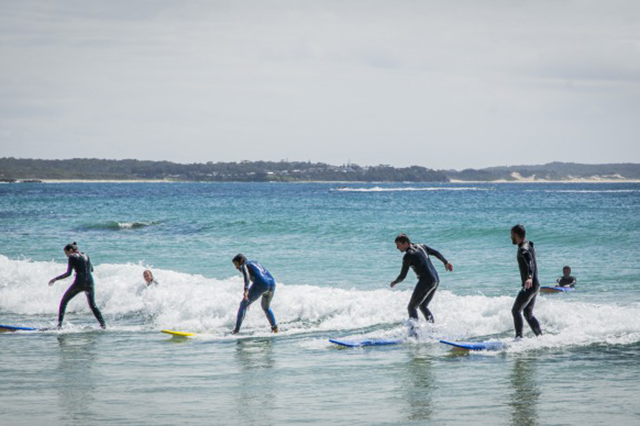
<point x="330" y="247"/>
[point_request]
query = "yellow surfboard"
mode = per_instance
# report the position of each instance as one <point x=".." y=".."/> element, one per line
<point x="178" y="333"/>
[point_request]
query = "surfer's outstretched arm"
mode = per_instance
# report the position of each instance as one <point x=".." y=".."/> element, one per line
<point x="63" y="276"/>
<point x="403" y="273"/>
<point x="433" y="252"/>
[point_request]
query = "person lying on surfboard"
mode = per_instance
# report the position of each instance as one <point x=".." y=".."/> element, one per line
<point x="566" y="280"/>
<point x="526" y="299"/>
<point x="83" y="282"/>
<point x="263" y="285"/>
<point x="417" y="257"/>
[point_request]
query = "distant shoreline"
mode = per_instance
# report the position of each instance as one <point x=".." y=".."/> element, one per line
<point x="454" y="181"/>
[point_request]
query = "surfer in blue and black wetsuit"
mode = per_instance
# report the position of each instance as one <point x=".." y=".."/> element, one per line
<point x="417" y="257"/>
<point x="263" y="285"/>
<point x="83" y="282"/>
<point x="526" y="299"/>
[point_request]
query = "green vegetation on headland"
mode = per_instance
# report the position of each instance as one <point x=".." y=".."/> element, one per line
<point x="246" y="171"/>
<point x="12" y="169"/>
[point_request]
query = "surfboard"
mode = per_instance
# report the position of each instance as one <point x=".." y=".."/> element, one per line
<point x="12" y="328"/>
<point x="367" y="342"/>
<point x="475" y="346"/>
<point x="554" y="289"/>
<point x="178" y="333"/>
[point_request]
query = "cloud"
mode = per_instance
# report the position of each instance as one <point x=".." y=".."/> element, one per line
<point x="440" y="84"/>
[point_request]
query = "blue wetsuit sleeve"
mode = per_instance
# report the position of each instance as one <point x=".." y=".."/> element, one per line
<point x="68" y="273"/>
<point x="405" y="269"/>
<point x="436" y="253"/>
<point x="246" y="276"/>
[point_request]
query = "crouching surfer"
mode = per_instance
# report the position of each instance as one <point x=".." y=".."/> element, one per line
<point x="417" y="257"/>
<point x="262" y="284"/>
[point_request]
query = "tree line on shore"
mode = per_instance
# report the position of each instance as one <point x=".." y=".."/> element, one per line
<point x="12" y="169"/>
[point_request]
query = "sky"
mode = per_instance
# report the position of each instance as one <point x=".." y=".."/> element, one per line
<point x="442" y="84"/>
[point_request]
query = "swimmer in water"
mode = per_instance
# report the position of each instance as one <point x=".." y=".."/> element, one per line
<point x="148" y="278"/>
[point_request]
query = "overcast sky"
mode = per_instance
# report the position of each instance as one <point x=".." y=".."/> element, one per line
<point x="442" y="84"/>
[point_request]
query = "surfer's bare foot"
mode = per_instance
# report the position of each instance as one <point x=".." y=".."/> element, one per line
<point x="274" y="329"/>
<point x="235" y="331"/>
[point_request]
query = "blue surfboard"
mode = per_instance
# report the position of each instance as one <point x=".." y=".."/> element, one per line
<point x="10" y="328"/>
<point x="555" y="289"/>
<point x="475" y="346"/>
<point x="367" y="342"/>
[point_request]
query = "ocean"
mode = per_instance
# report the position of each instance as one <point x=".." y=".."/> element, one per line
<point x="331" y="248"/>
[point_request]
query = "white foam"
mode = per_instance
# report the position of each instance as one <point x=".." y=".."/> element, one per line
<point x="200" y="304"/>
<point x="409" y="189"/>
<point x="586" y="191"/>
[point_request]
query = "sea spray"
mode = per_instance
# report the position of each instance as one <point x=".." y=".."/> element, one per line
<point x="205" y="305"/>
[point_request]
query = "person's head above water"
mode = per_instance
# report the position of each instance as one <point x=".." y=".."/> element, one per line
<point x="71" y="248"/>
<point x="148" y="276"/>
<point x="402" y="242"/>
<point x="239" y="260"/>
<point x="518" y="234"/>
<point x="566" y="271"/>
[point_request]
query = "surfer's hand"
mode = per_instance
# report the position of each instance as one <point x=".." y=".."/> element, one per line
<point x="393" y="283"/>
<point x="51" y="282"/>
<point x="528" y="283"/>
<point x="246" y="295"/>
<point x="448" y="267"/>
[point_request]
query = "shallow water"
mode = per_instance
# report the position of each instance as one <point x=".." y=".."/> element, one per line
<point x="331" y="250"/>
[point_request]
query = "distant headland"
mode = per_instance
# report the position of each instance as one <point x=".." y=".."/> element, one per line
<point x="81" y="169"/>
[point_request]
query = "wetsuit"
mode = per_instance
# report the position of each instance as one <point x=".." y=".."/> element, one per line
<point x="263" y="285"/>
<point x="567" y="281"/>
<point x="83" y="282"/>
<point x="526" y="299"/>
<point x="417" y="257"/>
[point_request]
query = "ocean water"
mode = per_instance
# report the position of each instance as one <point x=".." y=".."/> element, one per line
<point x="330" y="248"/>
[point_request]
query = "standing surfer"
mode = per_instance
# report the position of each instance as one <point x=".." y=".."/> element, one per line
<point x="83" y="282"/>
<point x="417" y="257"/>
<point x="263" y="285"/>
<point x="526" y="299"/>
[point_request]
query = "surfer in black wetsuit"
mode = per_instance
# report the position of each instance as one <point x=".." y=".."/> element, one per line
<point x="526" y="299"/>
<point x="83" y="282"/>
<point x="566" y="280"/>
<point x="417" y="257"/>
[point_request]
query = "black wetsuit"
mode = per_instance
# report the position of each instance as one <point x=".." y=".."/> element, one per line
<point x="526" y="299"/>
<point x="567" y="281"/>
<point x="83" y="282"/>
<point x="417" y="257"/>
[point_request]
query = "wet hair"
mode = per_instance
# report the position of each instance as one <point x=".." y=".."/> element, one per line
<point x="239" y="258"/>
<point x="566" y="267"/>
<point x="403" y="238"/>
<point x="519" y="231"/>
<point x="71" y="247"/>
